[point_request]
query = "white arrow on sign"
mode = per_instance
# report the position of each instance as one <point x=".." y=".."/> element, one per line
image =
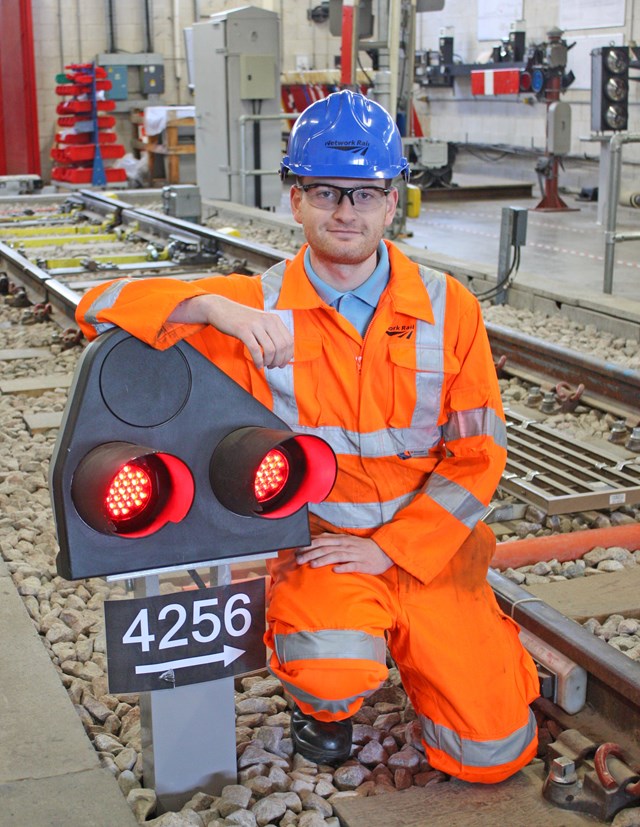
<point x="228" y="655"/>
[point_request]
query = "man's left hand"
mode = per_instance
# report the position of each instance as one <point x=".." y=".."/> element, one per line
<point x="346" y="553"/>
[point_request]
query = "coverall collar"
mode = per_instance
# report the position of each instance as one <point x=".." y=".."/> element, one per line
<point x="406" y="289"/>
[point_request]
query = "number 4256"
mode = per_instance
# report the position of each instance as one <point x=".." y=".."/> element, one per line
<point x="204" y="627"/>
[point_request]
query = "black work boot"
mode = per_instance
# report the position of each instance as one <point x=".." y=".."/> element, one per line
<point x="323" y="742"/>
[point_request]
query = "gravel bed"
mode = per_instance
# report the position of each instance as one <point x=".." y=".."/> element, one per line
<point x="276" y="787"/>
<point x="618" y="631"/>
<point x="557" y="329"/>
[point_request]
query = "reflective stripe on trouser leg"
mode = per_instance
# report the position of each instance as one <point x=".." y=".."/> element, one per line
<point x="327" y="633"/>
<point x="468" y="676"/>
<point x="484" y="756"/>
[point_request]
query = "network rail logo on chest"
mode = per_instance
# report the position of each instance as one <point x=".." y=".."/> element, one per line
<point x="355" y="147"/>
<point x="401" y="331"/>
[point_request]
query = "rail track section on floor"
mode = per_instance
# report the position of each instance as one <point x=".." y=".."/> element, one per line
<point x="605" y="384"/>
<point x="554" y="291"/>
<point x="562" y="476"/>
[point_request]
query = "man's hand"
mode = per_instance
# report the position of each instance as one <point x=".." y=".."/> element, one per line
<point x="264" y="334"/>
<point x="346" y="553"/>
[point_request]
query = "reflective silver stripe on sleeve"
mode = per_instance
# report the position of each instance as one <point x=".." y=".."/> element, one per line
<point x="280" y="380"/>
<point x="476" y="422"/>
<point x="322" y="704"/>
<point x="470" y="753"/>
<point x="330" y="643"/>
<point x="361" y="515"/>
<point x="455" y="499"/>
<point x="105" y="301"/>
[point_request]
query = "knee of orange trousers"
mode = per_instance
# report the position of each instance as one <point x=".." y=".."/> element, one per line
<point x="329" y="690"/>
<point x="305" y="599"/>
<point x="480" y="775"/>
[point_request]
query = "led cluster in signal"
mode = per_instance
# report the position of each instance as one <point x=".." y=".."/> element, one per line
<point x="271" y="476"/>
<point x="128" y="493"/>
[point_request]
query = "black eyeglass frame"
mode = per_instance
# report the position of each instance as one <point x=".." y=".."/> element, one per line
<point x="348" y="191"/>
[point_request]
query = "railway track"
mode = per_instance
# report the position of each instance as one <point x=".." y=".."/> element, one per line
<point x="610" y="711"/>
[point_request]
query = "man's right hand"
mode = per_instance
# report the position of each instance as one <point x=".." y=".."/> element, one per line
<point x="264" y="334"/>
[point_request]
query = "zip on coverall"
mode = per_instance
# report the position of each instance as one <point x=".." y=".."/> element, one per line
<point x="414" y="416"/>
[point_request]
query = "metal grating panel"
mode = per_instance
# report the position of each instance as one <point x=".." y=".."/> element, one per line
<point x="561" y="475"/>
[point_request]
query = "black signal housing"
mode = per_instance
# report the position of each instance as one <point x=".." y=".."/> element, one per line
<point x="610" y="88"/>
<point x="202" y="437"/>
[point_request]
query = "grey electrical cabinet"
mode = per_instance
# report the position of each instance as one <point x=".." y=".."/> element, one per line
<point x="236" y="76"/>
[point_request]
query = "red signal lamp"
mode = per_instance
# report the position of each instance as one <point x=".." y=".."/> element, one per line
<point x="131" y="491"/>
<point x="525" y="82"/>
<point x="271" y="473"/>
<point x="271" y="476"/>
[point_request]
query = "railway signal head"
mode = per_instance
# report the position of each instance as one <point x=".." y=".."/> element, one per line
<point x="265" y="472"/>
<point x="609" y="88"/>
<point x="163" y="462"/>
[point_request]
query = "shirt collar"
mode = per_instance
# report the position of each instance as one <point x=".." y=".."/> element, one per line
<point x="369" y="291"/>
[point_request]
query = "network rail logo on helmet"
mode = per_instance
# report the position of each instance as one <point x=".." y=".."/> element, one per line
<point x="356" y="147"/>
<point x="345" y="135"/>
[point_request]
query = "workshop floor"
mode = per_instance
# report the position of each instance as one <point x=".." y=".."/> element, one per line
<point x="564" y="249"/>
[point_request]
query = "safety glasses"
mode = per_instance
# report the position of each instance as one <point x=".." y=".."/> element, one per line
<point x="329" y="197"/>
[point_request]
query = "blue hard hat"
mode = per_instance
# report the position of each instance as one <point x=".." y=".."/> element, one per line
<point x="345" y="135"/>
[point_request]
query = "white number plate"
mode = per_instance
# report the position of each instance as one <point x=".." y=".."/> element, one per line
<point x="187" y="637"/>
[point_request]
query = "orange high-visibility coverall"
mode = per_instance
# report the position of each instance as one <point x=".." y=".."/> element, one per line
<point x="414" y="415"/>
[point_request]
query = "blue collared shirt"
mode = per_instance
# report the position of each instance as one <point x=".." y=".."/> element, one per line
<point x="358" y="306"/>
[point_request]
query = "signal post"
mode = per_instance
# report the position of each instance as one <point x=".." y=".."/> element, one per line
<point x="188" y="734"/>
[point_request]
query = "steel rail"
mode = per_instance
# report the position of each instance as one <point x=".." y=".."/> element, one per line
<point x="613" y="682"/>
<point x="255" y="257"/>
<point x="534" y="358"/>
<point x="49" y="290"/>
<point x="598" y="658"/>
<point x="27" y="274"/>
<point x="97" y="201"/>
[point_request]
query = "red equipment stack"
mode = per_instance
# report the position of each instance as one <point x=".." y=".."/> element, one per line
<point x="85" y="135"/>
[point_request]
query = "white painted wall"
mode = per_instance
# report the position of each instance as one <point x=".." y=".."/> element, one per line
<point x="76" y="30"/>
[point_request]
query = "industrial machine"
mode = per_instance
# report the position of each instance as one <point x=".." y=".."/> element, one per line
<point x="236" y="79"/>
<point x="539" y="70"/>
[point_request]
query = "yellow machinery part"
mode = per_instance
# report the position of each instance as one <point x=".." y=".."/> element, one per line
<point x="414" y="201"/>
<point x="123" y="258"/>
<point x="42" y="218"/>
